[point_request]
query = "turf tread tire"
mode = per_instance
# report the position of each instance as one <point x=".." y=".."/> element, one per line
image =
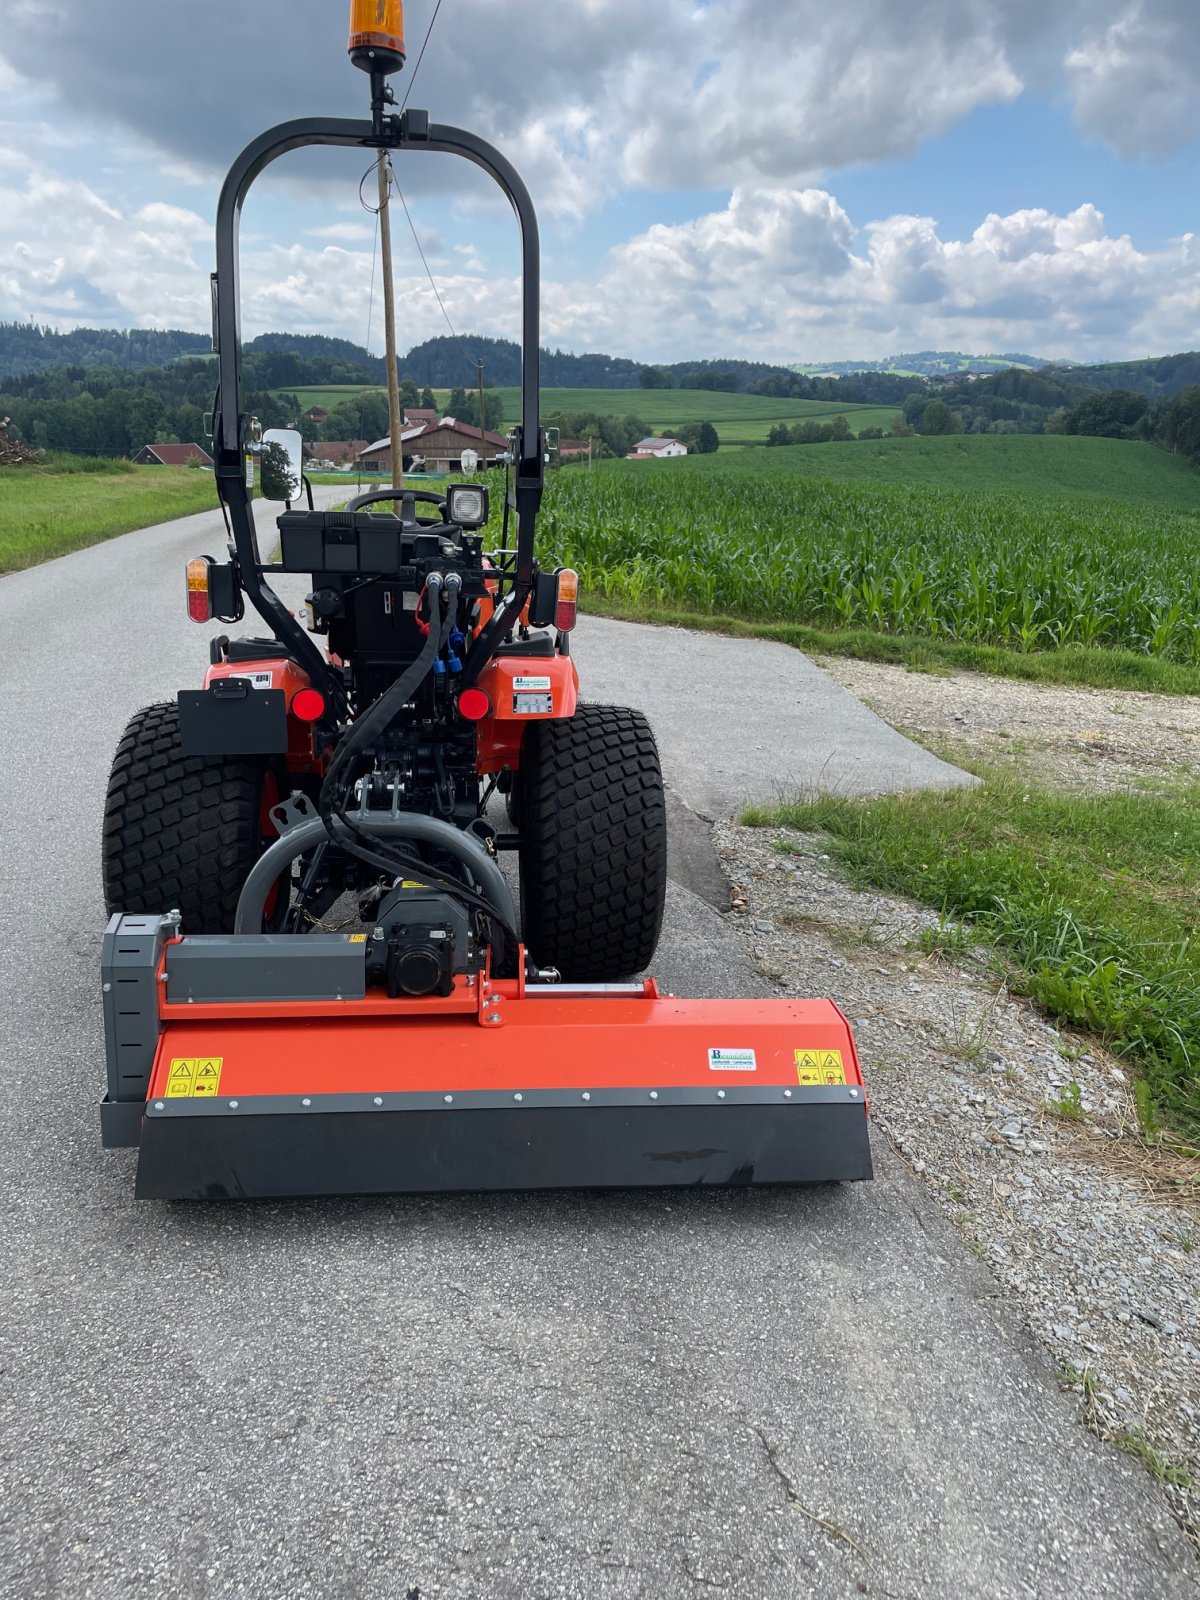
<point x="594" y="851"/>
<point x="179" y="831"/>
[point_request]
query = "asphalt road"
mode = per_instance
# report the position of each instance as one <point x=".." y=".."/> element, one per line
<point x="758" y="1394"/>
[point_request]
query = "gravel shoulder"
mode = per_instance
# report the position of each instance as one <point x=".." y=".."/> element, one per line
<point x="1025" y="1134"/>
<point x="1093" y="739"/>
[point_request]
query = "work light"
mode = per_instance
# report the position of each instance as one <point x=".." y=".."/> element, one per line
<point x="467" y="505"/>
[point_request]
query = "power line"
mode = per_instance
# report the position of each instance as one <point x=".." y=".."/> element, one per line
<point x="421" y="55"/>
<point x="421" y="253"/>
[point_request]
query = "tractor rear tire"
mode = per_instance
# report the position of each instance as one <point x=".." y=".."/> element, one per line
<point x="593" y="823"/>
<point x="182" y="832"/>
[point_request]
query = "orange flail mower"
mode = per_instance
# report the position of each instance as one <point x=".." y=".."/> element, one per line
<point x="316" y="977"/>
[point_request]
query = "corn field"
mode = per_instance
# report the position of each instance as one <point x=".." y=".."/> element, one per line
<point x="1022" y="571"/>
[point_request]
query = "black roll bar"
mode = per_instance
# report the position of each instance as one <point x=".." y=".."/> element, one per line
<point x="410" y="131"/>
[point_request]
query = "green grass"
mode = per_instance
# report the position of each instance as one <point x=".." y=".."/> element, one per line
<point x="69" y="502"/>
<point x="329" y="394"/>
<point x="1111" y="469"/>
<point x="1176" y="1473"/>
<point x="738" y="418"/>
<point x="1024" y="572"/>
<point x="1094" y="899"/>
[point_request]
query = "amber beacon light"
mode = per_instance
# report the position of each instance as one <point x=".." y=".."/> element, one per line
<point x="377" y="35"/>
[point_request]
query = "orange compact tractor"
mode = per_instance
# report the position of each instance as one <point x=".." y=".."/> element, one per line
<point x="315" y="976"/>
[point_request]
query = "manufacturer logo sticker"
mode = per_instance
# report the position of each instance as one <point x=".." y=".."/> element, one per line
<point x="732" y="1061"/>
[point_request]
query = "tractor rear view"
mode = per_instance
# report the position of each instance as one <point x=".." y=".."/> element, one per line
<point x="316" y="978"/>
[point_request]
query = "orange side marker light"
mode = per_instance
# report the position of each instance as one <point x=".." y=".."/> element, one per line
<point x="199" y="601"/>
<point x="567" y="602"/>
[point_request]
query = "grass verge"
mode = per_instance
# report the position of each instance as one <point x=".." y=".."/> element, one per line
<point x="1076" y="664"/>
<point x="69" y="502"/>
<point x="1093" y="899"/>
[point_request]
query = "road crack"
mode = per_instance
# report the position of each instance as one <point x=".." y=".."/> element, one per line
<point x="834" y="1529"/>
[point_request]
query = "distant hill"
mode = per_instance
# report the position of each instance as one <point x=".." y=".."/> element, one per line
<point x="923" y="364"/>
<point x="25" y="347"/>
<point x="442" y="363"/>
<point x="317" y="347"/>
<point x="1157" y="377"/>
<point x="449" y="363"/>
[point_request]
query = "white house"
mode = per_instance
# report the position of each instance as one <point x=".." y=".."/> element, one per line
<point x="656" y="447"/>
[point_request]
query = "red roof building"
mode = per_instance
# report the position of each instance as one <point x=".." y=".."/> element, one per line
<point x="338" y="452"/>
<point x="172" y="455"/>
<point x="440" y="446"/>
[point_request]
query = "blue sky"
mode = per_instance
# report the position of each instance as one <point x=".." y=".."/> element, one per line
<point x="793" y="182"/>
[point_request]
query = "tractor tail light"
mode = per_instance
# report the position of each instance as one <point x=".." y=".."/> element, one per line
<point x="199" y="599"/>
<point x="473" y="704"/>
<point x="377" y="35"/>
<point x="308" y="705"/>
<point x="566" y="604"/>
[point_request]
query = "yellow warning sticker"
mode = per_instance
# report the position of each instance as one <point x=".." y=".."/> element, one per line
<point x="819" y="1067"/>
<point x="358" y="938"/>
<point x="180" y="1079"/>
<point x="194" y="1077"/>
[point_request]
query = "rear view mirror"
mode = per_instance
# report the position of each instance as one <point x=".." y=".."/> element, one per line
<point x="281" y="464"/>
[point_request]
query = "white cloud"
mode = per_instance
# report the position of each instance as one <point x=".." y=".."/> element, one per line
<point x="348" y="231"/>
<point x="105" y="265"/>
<point x="778" y="91"/>
<point x="1135" y="82"/>
<point x="780" y="272"/>
<point x="595" y="96"/>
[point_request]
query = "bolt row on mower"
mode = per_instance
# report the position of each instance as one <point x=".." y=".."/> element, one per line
<point x="316" y="978"/>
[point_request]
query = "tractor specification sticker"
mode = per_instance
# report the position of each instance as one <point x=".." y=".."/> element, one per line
<point x="732" y="1061"/>
<point x="524" y="684"/>
<point x="194" y="1077"/>
<point x="532" y="705"/>
<point x="819" y="1067"/>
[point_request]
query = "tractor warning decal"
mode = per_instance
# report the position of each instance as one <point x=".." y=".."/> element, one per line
<point x="819" y="1067"/>
<point x="732" y="1061"/>
<point x="194" y="1077"/>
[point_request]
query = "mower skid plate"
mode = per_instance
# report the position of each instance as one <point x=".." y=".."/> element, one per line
<point x="570" y="1090"/>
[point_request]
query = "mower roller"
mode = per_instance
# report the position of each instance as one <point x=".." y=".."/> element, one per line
<point x="316" y="979"/>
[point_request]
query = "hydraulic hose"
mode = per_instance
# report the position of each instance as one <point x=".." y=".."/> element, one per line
<point x="496" y="897"/>
<point x="344" y="830"/>
<point x="382" y="713"/>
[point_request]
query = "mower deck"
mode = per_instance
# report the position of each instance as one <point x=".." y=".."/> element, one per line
<point x="499" y="1085"/>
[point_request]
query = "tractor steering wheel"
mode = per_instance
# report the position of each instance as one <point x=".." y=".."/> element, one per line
<point x="372" y="496"/>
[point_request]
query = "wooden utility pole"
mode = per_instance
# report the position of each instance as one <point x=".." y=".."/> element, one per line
<point x="482" y="431"/>
<point x="395" y="421"/>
